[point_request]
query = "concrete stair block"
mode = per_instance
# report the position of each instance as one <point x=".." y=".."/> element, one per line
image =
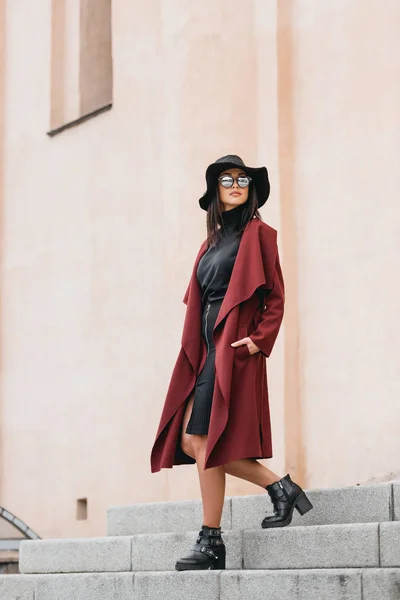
<point x="353" y="504"/>
<point x="396" y="501"/>
<point x="316" y="584"/>
<point x="68" y="586"/>
<point x="17" y="587"/>
<point x="185" y="585"/>
<point x="321" y="546"/>
<point x="161" y="517"/>
<point x="390" y="544"/>
<point x="381" y="584"/>
<point x="76" y="555"/>
<point x="85" y="586"/>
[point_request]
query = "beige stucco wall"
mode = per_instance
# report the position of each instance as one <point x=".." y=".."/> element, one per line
<point x="346" y="143"/>
<point x="102" y="224"/>
<point x="2" y="135"/>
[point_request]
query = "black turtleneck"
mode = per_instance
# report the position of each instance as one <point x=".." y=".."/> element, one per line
<point x="215" y="266"/>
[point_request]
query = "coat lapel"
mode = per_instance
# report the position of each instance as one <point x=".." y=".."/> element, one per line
<point x="252" y="268"/>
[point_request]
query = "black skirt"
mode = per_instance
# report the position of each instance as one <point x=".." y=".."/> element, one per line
<point x="204" y="386"/>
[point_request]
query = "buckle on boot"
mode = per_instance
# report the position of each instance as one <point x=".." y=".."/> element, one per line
<point x="208" y="551"/>
<point x="216" y="532"/>
<point x="215" y="541"/>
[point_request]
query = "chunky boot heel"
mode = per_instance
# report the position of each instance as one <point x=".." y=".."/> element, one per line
<point x="285" y="496"/>
<point x="207" y="553"/>
<point x="303" y="504"/>
<point x="220" y="562"/>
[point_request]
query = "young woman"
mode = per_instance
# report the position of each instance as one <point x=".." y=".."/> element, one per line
<point x="216" y="412"/>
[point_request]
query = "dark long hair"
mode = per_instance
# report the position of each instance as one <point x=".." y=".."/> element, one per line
<point x="250" y="210"/>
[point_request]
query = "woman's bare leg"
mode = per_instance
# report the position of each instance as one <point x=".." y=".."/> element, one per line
<point x="251" y="470"/>
<point x="212" y="484"/>
<point x="212" y="481"/>
<point x="186" y="438"/>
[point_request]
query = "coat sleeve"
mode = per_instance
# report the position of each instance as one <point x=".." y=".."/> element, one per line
<point x="267" y="330"/>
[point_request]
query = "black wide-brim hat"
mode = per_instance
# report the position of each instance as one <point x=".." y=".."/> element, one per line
<point x="259" y="177"/>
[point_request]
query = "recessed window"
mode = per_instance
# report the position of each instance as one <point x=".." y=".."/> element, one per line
<point x="81" y="509"/>
<point x="81" y="61"/>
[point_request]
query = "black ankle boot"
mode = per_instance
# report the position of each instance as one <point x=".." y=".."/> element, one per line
<point x="285" y="496"/>
<point x="207" y="553"/>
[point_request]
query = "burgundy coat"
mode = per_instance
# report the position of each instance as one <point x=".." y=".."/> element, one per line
<point x="253" y="307"/>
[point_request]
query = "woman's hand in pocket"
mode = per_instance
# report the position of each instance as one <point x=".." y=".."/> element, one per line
<point x="252" y="348"/>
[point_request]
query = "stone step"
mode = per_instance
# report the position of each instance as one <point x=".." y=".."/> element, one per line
<point x="312" y="584"/>
<point x="321" y="546"/>
<point x="353" y="504"/>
